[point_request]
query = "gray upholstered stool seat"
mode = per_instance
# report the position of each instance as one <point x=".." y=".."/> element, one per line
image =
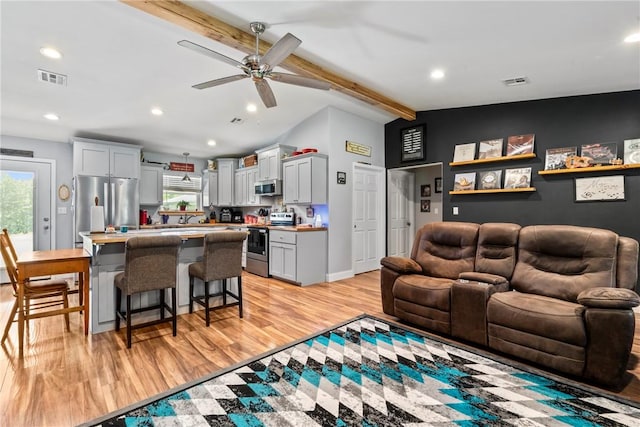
<point x="151" y="263"/>
<point x="222" y="260"/>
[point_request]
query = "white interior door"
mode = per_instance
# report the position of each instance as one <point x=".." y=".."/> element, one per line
<point x="400" y="211"/>
<point x="26" y="202"/>
<point x="368" y="217"/>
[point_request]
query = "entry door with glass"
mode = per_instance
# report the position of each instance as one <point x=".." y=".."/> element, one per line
<point x="25" y="202"/>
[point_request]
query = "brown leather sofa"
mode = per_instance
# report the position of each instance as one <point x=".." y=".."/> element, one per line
<point x="556" y="295"/>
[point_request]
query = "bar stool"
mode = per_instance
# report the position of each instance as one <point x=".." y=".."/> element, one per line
<point x="151" y="263"/>
<point x="222" y="260"/>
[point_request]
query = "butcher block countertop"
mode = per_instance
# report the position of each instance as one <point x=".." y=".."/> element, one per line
<point x="186" y="231"/>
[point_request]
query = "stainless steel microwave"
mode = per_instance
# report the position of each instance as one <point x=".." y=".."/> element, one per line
<point x="272" y="187"/>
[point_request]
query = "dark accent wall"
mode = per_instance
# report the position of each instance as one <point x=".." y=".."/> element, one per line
<point x="558" y="122"/>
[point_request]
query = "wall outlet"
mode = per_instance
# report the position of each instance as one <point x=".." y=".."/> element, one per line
<point x="455" y="210"/>
<point x="436" y="210"/>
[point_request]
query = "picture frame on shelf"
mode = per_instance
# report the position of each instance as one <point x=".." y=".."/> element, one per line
<point x="631" y="151"/>
<point x="556" y="158"/>
<point x="490" y="180"/>
<point x="517" y="178"/>
<point x="425" y="205"/>
<point x="464" y="181"/>
<point x="601" y="153"/>
<point x="490" y="149"/>
<point x="425" y="190"/>
<point x="438" y="185"/>
<point x="520" y="144"/>
<point x="464" y="152"/>
<point x="601" y="188"/>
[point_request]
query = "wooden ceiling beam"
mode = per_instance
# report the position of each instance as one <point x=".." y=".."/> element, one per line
<point x="206" y="25"/>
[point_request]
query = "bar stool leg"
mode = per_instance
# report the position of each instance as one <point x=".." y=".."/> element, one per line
<point x="128" y="321"/>
<point x="118" y="304"/>
<point x="240" y="295"/>
<point x="162" y="303"/>
<point x="191" y="279"/>
<point x="174" y="311"/>
<point x="224" y="292"/>
<point x="206" y="303"/>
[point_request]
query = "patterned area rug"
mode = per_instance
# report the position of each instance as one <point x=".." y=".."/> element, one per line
<point x="368" y="372"/>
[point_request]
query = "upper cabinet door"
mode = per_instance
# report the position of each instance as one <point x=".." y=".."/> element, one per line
<point x="90" y="159"/>
<point x="150" y="185"/>
<point x="125" y="162"/>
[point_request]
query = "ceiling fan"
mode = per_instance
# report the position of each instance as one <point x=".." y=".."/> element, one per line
<point x="258" y="67"/>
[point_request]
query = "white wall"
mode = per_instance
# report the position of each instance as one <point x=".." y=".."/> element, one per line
<point x="62" y="153"/>
<point x="327" y="130"/>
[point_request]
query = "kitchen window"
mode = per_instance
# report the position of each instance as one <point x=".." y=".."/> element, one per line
<point x="174" y="189"/>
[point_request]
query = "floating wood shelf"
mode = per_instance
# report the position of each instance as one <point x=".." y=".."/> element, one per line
<point x="591" y="169"/>
<point x="494" y="159"/>
<point x="171" y="213"/>
<point x="497" y="190"/>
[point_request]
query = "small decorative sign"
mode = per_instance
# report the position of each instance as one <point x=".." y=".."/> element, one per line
<point x="342" y="178"/>
<point x="355" y="148"/>
<point x="412" y="140"/>
<point x="181" y="167"/>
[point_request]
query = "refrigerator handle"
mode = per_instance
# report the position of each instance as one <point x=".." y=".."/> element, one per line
<point x="106" y="204"/>
<point x="113" y="202"/>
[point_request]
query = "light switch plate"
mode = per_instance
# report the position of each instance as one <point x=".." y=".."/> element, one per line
<point x="455" y="210"/>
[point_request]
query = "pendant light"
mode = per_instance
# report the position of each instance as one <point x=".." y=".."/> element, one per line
<point x="186" y="178"/>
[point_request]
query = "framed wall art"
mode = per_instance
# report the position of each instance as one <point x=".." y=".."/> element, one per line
<point x="602" y="188"/>
<point x="425" y="190"/>
<point x="438" y="185"/>
<point x="425" y="205"/>
<point x="412" y="143"/>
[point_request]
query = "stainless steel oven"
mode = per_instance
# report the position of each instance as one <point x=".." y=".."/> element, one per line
<point x="258" y="251"/>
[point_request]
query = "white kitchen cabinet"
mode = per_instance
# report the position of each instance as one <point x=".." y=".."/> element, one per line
<point x="209" y="188"/>
<point x="244" y="187"/>
<point x="226" y="178"/>
<point x="98" y="158"/>
<point x="269" y="161"/>
<point x="298" y="257"/>
<point x="151" y="185"/>
<point x="252" y="177"/>
<point x="305" y="179"/>
<point x="240" y="188"/>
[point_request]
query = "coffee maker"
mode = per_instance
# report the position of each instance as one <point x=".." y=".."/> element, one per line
<point x="225" y="215"/>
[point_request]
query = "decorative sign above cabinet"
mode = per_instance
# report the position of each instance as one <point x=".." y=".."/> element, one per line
<point x="355" y="148"/>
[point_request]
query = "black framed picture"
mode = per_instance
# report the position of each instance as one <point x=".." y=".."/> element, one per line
<point x="412" y="143"/>
<point x="425" y="190"/>
<point x="425" y="205"/>
<point x="438" y="185"/>
<point x="342" y="178"/>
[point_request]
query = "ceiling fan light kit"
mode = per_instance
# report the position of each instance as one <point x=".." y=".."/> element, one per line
<point x="258" y="67"/>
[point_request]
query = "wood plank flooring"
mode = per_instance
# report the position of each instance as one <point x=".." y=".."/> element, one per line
<point x="66" y="379"/>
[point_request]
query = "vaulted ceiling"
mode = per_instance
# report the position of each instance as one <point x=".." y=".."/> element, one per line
<point x="121" y="60"/>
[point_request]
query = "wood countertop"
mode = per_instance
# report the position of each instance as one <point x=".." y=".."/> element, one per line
<point x="186" y="231"/>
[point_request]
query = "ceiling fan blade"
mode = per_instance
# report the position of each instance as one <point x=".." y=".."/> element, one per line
<point x="218" y="82"/>
<point x="279" y="51"/>
<point x="295" y="79"/>
<point x="212" y="54"/>
<point x="266" y="94"/>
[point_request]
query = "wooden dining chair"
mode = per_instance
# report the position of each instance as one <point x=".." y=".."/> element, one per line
<point x="222" y="260"/>
<point x="40" y="297"/>
<point x="151" y="263"/>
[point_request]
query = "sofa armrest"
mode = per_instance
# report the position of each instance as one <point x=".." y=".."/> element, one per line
<point x="602" y="297"/>
<point x="401" y="265"/>
<point x="491" y="279"/>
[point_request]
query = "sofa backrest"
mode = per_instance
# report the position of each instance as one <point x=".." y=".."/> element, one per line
<point x="627" y="266"/>
<point x="446" y="249"/>
<point x="560" y="261"/>
<point x="497" y="249"/>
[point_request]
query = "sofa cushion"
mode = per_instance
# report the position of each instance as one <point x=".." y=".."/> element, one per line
<point x="538" y="315"/>
<point x="423" y="290"/>
<point x="560" y="261"/>
<point x="446" y="249"/>
<point x="497" y="249"/>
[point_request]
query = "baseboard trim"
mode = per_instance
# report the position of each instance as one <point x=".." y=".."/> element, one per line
<point x="340" y="275"/>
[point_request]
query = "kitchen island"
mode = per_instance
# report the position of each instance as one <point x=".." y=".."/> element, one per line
<point x="108" y="259"/>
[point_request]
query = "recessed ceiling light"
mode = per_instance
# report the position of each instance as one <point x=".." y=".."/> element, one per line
<point x="50" y="52"/>
<point x="157" y="111"/>
<point x="51" y="116"/>
<point x="211" y="142"/>
<point x="632" y="38"/>
<point x="252" y="108"/>
<point x="437" y="74"/>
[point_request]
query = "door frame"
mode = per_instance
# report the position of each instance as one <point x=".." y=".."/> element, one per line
<point x="53" y="195"/>
<point x="381" y="225"/>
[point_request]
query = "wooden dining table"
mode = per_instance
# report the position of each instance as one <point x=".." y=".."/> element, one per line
<point x="50" y="262"/>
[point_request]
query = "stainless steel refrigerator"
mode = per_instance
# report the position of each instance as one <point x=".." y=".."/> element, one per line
<point x="119" y="196"/>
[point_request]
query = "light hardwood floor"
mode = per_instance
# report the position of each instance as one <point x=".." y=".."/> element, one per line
<point x="66" y="379"/>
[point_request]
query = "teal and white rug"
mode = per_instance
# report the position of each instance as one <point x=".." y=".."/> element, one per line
<point x="368" y="372"/>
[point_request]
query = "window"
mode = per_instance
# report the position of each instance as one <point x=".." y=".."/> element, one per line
<point x="174" y="190"/>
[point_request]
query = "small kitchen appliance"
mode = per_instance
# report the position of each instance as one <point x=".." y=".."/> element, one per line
<point x="236" y="217"/>
<point x="283" y="218"/>
<point x="225" y="215"/>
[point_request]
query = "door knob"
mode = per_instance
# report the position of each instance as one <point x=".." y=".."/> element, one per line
<point x="45" y="219"/>
<point x="409" y="224"/>
<point x="46" y="227"/>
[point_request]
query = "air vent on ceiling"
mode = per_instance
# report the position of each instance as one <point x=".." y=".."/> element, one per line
<point x="49" y="77"/>
<point x="236" y="121"/>
<point x="516" y="81"/>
